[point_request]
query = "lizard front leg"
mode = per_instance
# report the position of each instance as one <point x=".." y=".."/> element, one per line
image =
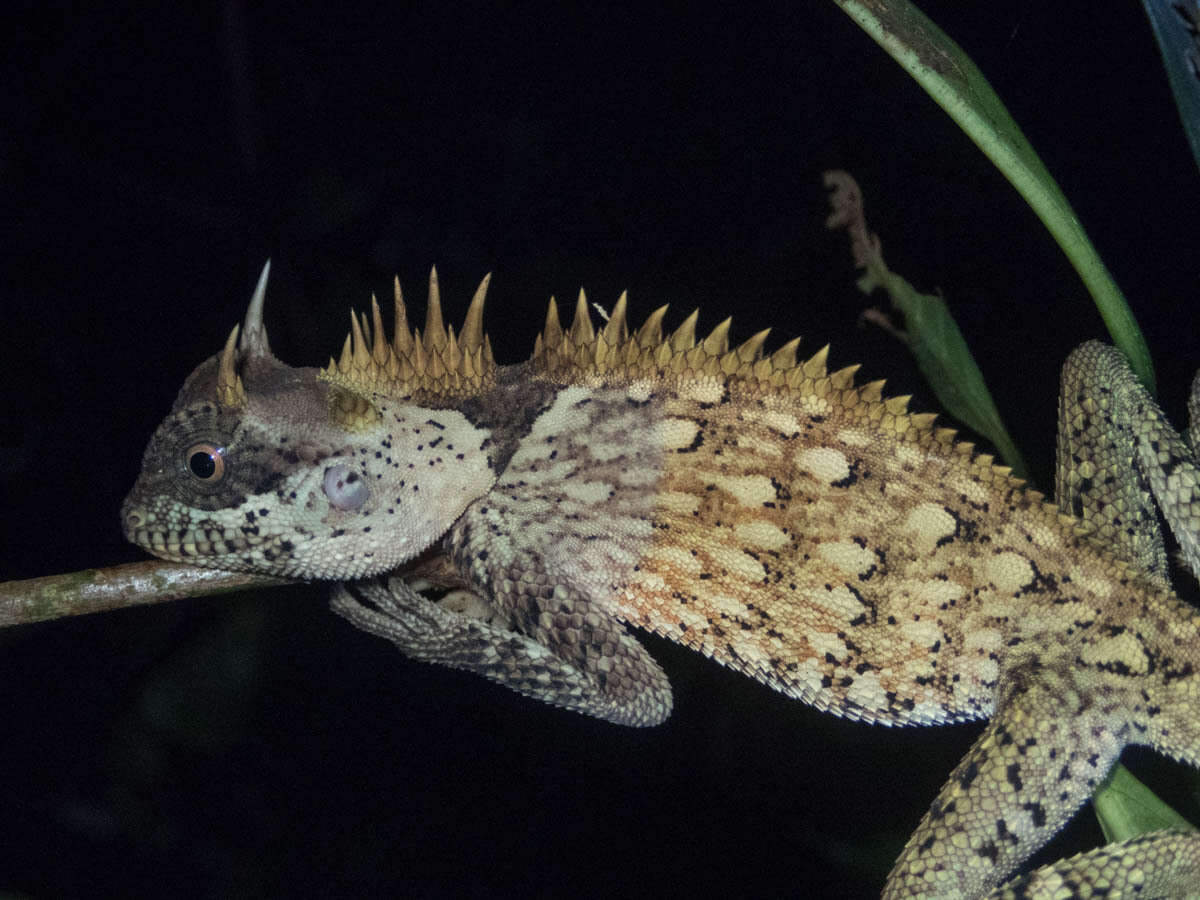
<point x="565" y="652"/>
<point x="544" y="554"/>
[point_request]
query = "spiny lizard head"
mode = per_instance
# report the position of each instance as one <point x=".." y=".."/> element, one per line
<point x="337" y="473"/>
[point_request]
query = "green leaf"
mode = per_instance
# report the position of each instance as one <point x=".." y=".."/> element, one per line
<point x="949" y="76"/>
<point x="930" y="331"/>
<point x="1175" y="28"/>
<point x="947" y="364"/>
<point x="1127" y="808"/>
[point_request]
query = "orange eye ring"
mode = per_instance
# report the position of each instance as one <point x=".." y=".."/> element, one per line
<point x="205" y="462"/>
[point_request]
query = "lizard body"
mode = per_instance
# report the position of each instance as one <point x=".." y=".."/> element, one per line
<point x="784" y="521"/>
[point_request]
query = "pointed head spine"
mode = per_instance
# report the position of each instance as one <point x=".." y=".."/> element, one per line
<point x="231" y="393"/>
<point x="437" y="362"/>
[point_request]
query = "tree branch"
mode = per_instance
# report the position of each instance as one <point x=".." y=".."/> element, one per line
<point x="155" y="581"/>
<point x="116" y="587"/>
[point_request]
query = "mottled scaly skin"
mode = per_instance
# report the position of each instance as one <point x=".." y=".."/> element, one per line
<point x="779" y="519"/>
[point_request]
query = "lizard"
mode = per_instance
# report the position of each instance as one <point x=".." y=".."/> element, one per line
<point x="778" y="517"/>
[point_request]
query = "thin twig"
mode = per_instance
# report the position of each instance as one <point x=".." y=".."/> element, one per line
<point x="116" y="587"/>
<point x="136" y="584"/>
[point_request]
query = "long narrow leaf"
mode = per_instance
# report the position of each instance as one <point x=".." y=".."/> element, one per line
<point x="1127" y="808"/>
<point x="949" y="76"/>
<point x="930" y="332"/>
<point x="1177" y="28"/>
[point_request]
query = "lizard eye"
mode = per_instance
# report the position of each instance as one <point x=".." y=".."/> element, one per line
<point x="205" y="462"/>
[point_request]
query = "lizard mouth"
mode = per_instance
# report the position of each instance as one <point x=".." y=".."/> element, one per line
<point x="191" y="544"/>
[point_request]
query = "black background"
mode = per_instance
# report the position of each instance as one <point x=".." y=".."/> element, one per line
<point x="150" y="160"/>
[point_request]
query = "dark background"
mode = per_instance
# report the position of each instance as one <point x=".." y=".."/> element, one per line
<point x="255" y="745"/>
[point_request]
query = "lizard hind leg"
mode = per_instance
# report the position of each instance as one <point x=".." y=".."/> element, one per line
<point x="1158" y="864"/>
<point x="470" y="634"/>
<point x="1038" y="760"/>
<point x="1118" y="454"/>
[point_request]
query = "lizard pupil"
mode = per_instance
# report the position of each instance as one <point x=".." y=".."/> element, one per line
<point x="206" y="462"/>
